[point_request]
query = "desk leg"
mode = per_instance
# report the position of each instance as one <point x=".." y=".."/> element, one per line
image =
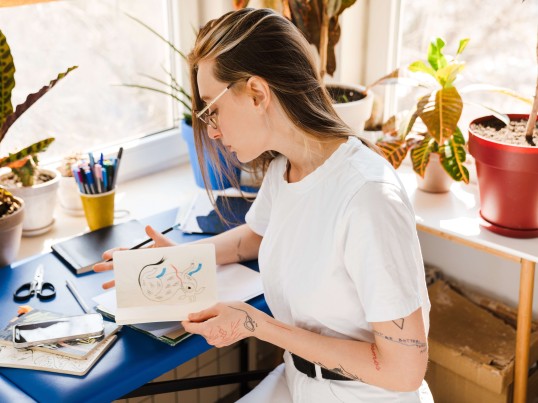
<point x="524" y="320"/>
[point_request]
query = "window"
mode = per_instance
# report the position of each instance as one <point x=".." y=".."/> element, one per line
<point x="89" y="109"/>
<point x="501" y="51"/>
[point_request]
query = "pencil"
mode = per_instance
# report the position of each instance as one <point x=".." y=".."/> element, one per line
<point x="71" y="287"/>
<point x="145" y="242"/>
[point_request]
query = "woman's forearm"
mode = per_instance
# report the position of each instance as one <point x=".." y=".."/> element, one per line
<point x="400" y="367"/>
<point x="236" y="245"/>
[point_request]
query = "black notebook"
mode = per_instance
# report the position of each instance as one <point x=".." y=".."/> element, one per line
<point x="82" y="252"/>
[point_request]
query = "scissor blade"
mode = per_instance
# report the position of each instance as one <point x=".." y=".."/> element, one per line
<point x="38" y="276"/>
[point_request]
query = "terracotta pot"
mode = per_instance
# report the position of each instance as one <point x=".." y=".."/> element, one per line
<point x="40" y="201"/>
<point x="435" y="180"/>
<point x="10" y="235"/>
<point x="508" y="184"/>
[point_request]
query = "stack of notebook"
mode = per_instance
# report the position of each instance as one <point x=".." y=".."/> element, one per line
<point x="75" y="357"/>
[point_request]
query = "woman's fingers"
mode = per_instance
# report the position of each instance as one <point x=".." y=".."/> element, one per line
<point x="109" y="284"/>
<point x="159" y="239"/>
<point x="108" y="254"/>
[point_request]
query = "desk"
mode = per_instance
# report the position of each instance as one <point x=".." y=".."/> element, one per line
<point x="133" y="360"/>
<point x="455" y="216"/>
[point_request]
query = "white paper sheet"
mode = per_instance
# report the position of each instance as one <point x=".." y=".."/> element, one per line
<point x="235" y="282"/>
<point x="164" y="284"/>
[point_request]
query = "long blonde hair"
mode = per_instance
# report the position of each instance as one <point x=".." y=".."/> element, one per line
<point x="259" y="42"/>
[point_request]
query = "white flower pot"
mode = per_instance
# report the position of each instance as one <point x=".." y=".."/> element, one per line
<point x="40" y="201"/>
<point x="355" y="113"/>
<point x="69" y="196"/>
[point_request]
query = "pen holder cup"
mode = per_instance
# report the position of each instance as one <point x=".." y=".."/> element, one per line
<point x="98" y="209"/>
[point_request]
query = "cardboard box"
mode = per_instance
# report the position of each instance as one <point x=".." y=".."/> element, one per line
<point x="472" y="351"/>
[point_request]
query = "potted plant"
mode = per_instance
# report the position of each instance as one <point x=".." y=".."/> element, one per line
<point x="430" y="132"/>
<point x="11" y="217"/>
<point x="173" y="89"/>
<point x="36" y="186"/>
<point x="507" y="168"/>
<point x="318" y="21"/>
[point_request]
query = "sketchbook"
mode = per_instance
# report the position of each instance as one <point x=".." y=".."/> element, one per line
<point x="235" y="282"/>
<point x="12" y="357"/>
<point x="78" y="349"/>
<point x="164" y="284"/>
<point x="82" y="252"/>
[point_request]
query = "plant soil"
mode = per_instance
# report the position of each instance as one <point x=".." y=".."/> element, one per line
<point x="8" y="206"/>
<point x="341" y="95"/>
<point x="10" y="180"/>
<point x="513" y="134"/>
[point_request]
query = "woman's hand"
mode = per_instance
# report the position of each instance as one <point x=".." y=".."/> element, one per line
<point x="159" y="241"/>
<point x="224" y="323"/>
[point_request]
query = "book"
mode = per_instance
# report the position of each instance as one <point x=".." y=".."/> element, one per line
<point x="201" y="217"/>
<point x="80" y="253"/>
<point x="27" y="358"/>
<point x="164" y="284"/>
<point x="234" y="282"/>
<point x="77" y="349"/>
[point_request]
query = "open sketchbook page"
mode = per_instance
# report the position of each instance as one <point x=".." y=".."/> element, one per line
<point x="164" y="284"/>
<point x="12" y="357"/>
<point x="235" y="282"/>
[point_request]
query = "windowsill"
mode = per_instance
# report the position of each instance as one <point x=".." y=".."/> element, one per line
<point x="140" y="197"/>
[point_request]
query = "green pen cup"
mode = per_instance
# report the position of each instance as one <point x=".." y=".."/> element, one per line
<point x="98" y="209"/>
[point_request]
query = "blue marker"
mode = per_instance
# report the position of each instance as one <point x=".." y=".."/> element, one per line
<point x="74" y="169"/>
<point x="92" y="161"/>
<point x="105" y="178"/>
<point x="89" y="178"/>
<point x="101" y="159"/>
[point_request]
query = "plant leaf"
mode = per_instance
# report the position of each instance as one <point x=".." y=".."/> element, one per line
<point x="440" y="111"/>
<point x="435" y="54"/>
<point x="12" y="159"/>
<point x="393" y="150"/>
<point x="448" y="74"/>
<point x="7" y="79"/>
<point x="453" y="156"/>
<point x="493" y="88"/>
<point x="420" y="67"/>
<point x="420" y="155"/>
<point x="462" y="45"/>
<point x="499" y="115"/>
<point x="30" y="100"/>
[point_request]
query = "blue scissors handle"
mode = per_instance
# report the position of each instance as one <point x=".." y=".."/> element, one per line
<point x="26" y="291"/>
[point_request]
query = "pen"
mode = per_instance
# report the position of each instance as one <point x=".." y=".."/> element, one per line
<point x="166" y="231"/>
<point x="71" y="287"/>
<point x="116" y="168"/>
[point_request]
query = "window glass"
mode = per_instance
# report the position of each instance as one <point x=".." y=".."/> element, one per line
<point x="501" y="51"/>
<point x="89" y="108"/>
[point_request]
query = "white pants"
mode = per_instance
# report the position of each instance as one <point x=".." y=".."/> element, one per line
<point x="286" y="384"/>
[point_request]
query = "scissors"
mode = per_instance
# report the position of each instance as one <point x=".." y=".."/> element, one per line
<point x="37" y="286"/>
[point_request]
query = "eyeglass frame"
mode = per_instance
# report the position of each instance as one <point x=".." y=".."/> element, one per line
<point x="210" y="119"/>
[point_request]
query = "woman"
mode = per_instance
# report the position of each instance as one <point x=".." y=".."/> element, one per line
<point x="331" y="227"/>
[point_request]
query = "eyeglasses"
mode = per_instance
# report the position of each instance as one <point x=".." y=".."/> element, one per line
<point x="207" y="117"/>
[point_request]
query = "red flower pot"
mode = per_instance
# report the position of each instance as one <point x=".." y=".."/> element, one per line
<point x="508" y="184"/>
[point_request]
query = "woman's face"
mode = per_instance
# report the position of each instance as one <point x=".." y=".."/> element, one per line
<point x="239" y="125"/>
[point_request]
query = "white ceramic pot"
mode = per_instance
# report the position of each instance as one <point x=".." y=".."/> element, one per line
<point x="40" y="201"/>
<point x="10" y="235"/>
<point x="69" y="196"/>
<point x="435" y="180"/>
<point x="356" y="113"/>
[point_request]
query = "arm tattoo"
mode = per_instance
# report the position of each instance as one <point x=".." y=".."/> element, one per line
<point x="404" y="342"/>
<point x="340" y="371"/>
<point x="374" y="357"/>
<point x="399" y="323"/>
<point x="240" y="257"/>
<point x="249" y="323"/>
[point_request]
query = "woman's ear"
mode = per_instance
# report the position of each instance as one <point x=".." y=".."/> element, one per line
<point x="259" y="92"/>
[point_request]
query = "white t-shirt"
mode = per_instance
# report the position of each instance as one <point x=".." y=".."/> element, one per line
<point x="340" y="248"/>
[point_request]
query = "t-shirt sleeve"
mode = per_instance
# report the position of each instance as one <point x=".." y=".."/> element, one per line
<point x="382" y="252"/>
<point x="257" y="217"/>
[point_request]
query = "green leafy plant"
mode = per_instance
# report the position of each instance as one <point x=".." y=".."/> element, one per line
<point x="439" y="110"/>
<point x="318" y="21"/>
<point x="172" y="88"/>
<point x="23" y="163"/>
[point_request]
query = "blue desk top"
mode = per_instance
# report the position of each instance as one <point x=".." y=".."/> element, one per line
<point x="133" y="360"/>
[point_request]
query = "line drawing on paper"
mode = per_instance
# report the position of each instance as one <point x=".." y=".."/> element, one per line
<point x="161" y="281"/>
